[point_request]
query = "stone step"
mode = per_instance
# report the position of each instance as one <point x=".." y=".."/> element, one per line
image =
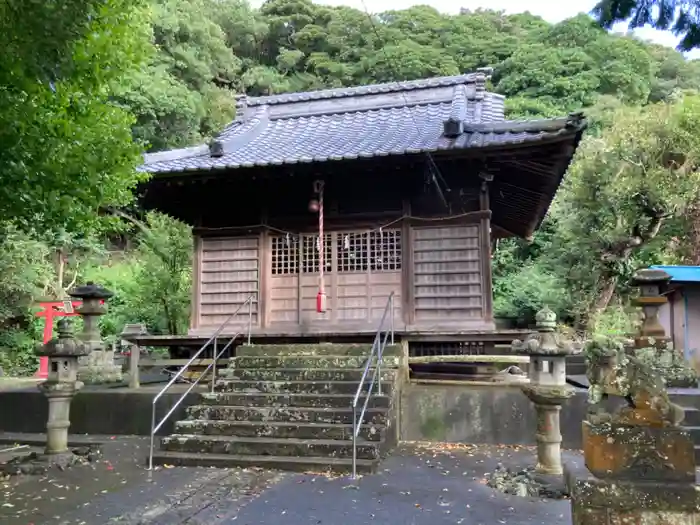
<point x="350" y="361"/>
<point x="301" y="387"/>
<point x="304" y="374"/>
<point x="277" y="429"/>
<point x="301" y="349"/>
<point x="291" y="400"/>
<point x="263" y="446"/>
<point x="294" y="464"/>
<point x="692" y="417"/>
<point x="294" y="414"/>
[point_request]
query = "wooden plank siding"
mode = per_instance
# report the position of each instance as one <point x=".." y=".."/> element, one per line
<point x="229" y="272"/>
<point x="447" y="274"/>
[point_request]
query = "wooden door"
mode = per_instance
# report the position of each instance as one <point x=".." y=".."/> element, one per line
<point x="362" y="268"/>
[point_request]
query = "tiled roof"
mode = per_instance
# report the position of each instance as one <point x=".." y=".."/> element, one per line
<point x="377" y="120"/>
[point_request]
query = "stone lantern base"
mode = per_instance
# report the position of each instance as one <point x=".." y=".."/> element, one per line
<point x="39" y="464"/>
<point x="635" y="474"/>
<point x="99" y="367"/>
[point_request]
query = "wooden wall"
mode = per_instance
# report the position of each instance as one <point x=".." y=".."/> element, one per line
<point x="447" y="274"/>
<point x="437" y="273"/>
<point x="228" y="271"/>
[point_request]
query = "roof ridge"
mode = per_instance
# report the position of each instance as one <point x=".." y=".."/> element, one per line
<point x="478" y="78"/>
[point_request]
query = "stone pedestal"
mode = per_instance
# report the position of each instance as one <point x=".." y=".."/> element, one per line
<point x="548" y="401"/>
<point x="60" y="397"/>
<point x="635" y="475"/>
<point x="98" y="366"/>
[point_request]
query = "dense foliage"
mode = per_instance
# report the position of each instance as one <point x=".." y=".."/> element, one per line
<point x="86" y="85"/>
<point x="680" y="16"/>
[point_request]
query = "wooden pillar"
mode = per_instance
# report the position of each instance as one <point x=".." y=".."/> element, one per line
<point x="485" y="234"/>
<point x="407" y="274"/>
<point x="196" y="282"/>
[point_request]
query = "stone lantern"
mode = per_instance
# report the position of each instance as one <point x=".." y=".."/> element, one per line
<point x="547" y="388"/>
<point x="61" y="385"/>
<point x="98" y="365"/>
<point x="652" y="284"/>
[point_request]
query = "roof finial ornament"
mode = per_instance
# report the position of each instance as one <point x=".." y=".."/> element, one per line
<point x="487" y="71"/>
<point x="241" y="106"/>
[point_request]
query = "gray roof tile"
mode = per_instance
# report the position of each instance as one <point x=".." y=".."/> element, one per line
<point x="361" y="122"/>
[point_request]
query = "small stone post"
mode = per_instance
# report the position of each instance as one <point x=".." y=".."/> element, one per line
<point x="134" y="352"/>
<point x="60" y="387"/>
<point x="98" y="366"/>
<point x="547" y="388"/>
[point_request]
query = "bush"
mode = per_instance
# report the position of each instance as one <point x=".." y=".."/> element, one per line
<point x="522" y="293"/>
<point x="152" y="284"/>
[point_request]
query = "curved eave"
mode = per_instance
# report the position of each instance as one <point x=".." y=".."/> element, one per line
<point x="467" y="142"/>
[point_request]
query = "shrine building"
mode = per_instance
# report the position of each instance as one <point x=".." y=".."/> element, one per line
<point x="411" y="184"/>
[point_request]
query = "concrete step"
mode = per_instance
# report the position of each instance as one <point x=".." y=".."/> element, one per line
<point x="348" y="361"/>
<point x="301" y="349"/>
<point x="277" y="429"/>
<point x="297" y="414"/>
<point x="300" y="387"/>
<point x="263" y="446"/>
<point x="304" y="374"/>
<point x="291" y="400"/>
<point x="294" y="464"/>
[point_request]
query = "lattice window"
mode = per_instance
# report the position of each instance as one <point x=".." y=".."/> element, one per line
<point x="385" y="250"/>
<point x="285" y="255"/>
<point x="353" y="255"/>
<point x="310" y="254"/>
<point x="424" y="349"/>
<point x="378" y="250"/>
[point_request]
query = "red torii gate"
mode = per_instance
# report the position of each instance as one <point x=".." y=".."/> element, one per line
<point x="51" y="310"/>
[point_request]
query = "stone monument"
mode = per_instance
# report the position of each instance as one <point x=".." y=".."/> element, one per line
<point x="547" y="388"/>
<point x="61" y="385"/>
<point x="98" y="365"/>
<point x="639" y="463"/>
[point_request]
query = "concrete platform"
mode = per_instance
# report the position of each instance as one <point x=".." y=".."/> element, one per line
<point x="96" y="410"/>
<point x="420" y="485"/>
<point x="453" y="413"/>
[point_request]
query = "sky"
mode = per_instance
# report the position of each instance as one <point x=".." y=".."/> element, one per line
<point x="551" y="10"/>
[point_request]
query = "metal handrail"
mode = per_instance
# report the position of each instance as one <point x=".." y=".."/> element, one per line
<point x="377" y="347"/>
<point x="213" y="339"/>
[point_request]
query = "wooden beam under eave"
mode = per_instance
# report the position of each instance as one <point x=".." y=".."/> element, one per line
<point x="543" y="206"/>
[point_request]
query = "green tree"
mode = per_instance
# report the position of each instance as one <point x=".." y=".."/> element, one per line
<point x="65" y="150"/>
<point x="680" y="16"/>
<point x="625" y="194"/>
